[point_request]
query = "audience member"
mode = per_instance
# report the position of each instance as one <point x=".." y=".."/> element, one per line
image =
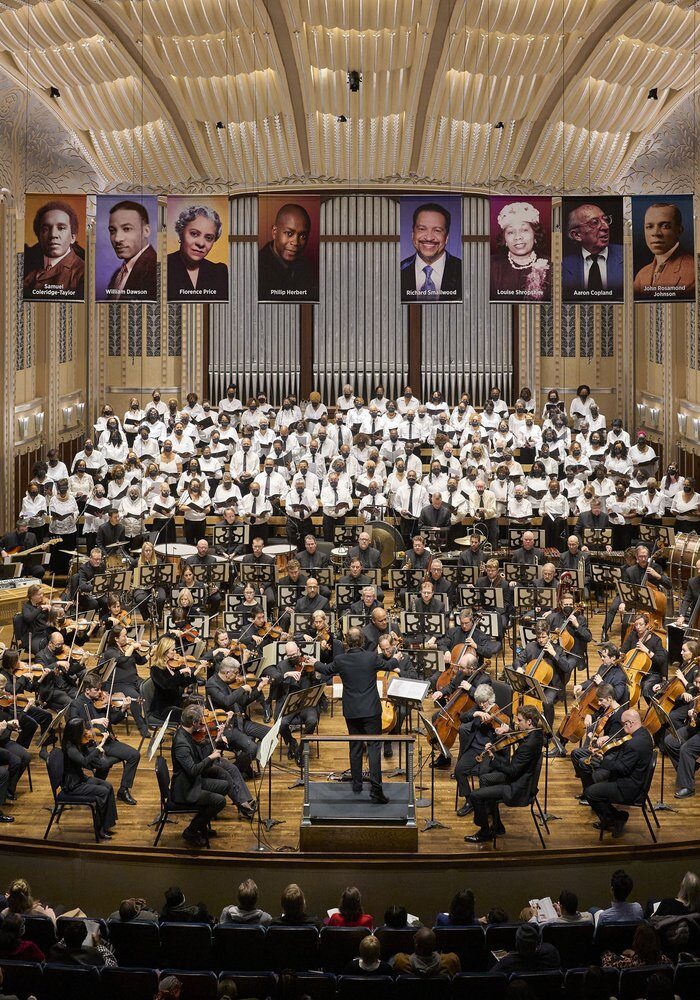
<point x="78" y="946"/>
<point x="461" y="911"/>
<point x="531" y="953"/>
<point x="12" y="943"/>
<point x="645" y="950"/>
<point x="368" y="963"/>
<point x="20" y="900"/>
<point x="246" y="911"/>
<point x="294" y="908"/>
<point x="169" y="988"/>
<point x="133" y="908"/>
<point x="425" y="960"/>
<point x="620" y="910"/>
<point x="178" y="909"/>
<point x="350" y="913"/>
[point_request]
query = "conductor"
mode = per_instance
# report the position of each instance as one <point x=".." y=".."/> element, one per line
<point x="361" y="707"/>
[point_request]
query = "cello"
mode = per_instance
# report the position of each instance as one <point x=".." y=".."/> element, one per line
<point x="457" y="656"/>
<point x="447" y="718"/>
<point x="669" y="692"/>
<point x="573" y="727"/>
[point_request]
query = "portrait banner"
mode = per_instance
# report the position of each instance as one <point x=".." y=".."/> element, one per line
<point x="663" y="248"/>
<point x="593" y="260"/>
<point x="520" y="249"/>
<point x="288" y="248"/>
<point x="198" y="232"/>
<point x="126" y="254"/>
<point x="54" y="248"/>
<point x="431" y="249"/>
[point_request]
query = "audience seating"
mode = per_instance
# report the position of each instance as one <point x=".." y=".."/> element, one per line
<point x="686" y="980"/>
<point x="574" y="942"/>
<point x="573" y="982"/>
<point x="21" y="978"/>
<point x="318" y="985"/>
<point x="70" y="982"/>
<point x="41" y="931"/>
<point x="417" y="988"/>
<point x="135" y="943"/>
<point x="615" y="937"/>
<point x="291" y="948"/>
<point x="362" y="988"/>
<point x="195" y="985"/>
<point x="501" y="937"/>
<point x="393" y="940"/>
<point x="473" y="985"/>
<point x="633" y="982"/>
<point x="253" y="984"/>
<point x="339" y="945"/>
<point x="467" y="942"/>
<point x="544" y="985"/>
<point x="238" y="946"/>
<point x="128" y="984"/>
<point x="186" y="941"/>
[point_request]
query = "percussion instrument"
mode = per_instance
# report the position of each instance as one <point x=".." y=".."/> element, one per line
<point x="388" y="540"/>
<point x="280" y="551"/>
<point x="683" y="556"/>
<point x="339" y="557"/>
<point x="176" y="553"/>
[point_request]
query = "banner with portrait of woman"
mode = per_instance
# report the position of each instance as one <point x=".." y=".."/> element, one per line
<point x="126" y="256"/>
<point x="520" y="248"/>
<point x="198" y="238"/>
<point x="54" y="248"/>
<point x="288" y="248"/>
<point x="431" y="249"/>
<point x="593" y="259"/>
<point x="663" y="248"/>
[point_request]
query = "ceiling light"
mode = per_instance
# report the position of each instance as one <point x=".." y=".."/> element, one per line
<point x="54" y="92"/>
<point x="653" y="94"/>
<point x="220" y="125"/>
<point x="499" y="125"/>
<point x="341" y="119"/>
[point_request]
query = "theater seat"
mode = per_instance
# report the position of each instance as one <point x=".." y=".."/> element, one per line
<point x="128" y="984"/>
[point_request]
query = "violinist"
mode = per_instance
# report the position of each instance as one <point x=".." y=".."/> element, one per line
<point x="208" y="739"/>
<point x="35" y="619"/>
<point x="610" y="672"/>
<point x="169" y="680"/>
<point x="555" y="656"/>
<point x="13" y="752"/>
<point x="298" y="672"/>
<point x="73" y="632"/>
<point x="58" y="685"/>
<point x="82" y="787"/>
<point x="507" y="781"/>
<point x="227" y="689"/>
<point x="94" y="706"/>
<point x="575" y="621"/>
<point x="128" y="656"/>
<point x="192" y="783"/>
<point x="684" y="752"/>
<point x="477" y="727"/>
<point x="18" y="683"/>
<point x="380" y="624"/>
<point x="320" y="632"/>
<point x="191" y="595"/>
<point x="84" y="581"/>
<point x="260" y="633"/>
<point x="394" y="661"/>
<point x="621" y="775"/>
<point x="116" y="614"/>
<point x="642" y="638"/>
<point x="220" y="649"/>
<point x="606" y="720"/>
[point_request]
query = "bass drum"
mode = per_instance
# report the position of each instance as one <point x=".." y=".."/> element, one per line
<point x="388" y="540"/>
<point x="682" y="558"/>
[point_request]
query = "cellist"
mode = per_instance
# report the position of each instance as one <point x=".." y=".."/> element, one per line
<point x="555" y="656"/>
<point x="575" y="625"/>
<point x="688" y="673"/>
<point x="469" y="634"/>
<point x="610" y="672"/>
<point x="642" y="638"/>
<point x="468" y="677"/>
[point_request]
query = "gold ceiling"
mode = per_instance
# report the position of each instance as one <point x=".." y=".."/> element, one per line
<point x="143" y="84"/>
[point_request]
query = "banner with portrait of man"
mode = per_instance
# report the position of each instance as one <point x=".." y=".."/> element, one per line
<point x="593" y="259"/>
<point x="431" y="249"/>
<point x="126" y="255"/>
<point x="663" y="248"/>
<point x="288" y="248"/>
<point x="54" y="248"/>
<point x="198" y="231"/>
<point x="520" y="249"/>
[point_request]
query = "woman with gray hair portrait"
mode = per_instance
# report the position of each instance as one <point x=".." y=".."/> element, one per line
<point x="191" y="277"/>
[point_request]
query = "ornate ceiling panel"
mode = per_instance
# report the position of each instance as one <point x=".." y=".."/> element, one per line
<point x="540" y="94"/>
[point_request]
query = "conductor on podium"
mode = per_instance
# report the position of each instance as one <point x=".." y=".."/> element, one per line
<point x="361" y="707"/>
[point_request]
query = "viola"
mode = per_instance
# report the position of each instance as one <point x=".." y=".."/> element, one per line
<point x="612" y="744"/>
<point x="9" y="700"/>
<point x="507" y="740"/>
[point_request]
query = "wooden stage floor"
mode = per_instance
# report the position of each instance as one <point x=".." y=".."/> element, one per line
<point x="572" y="833"/>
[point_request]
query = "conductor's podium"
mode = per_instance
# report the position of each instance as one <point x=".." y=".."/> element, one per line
<point x="337" y="821"/>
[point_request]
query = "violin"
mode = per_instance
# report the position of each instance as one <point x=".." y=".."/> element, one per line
<point x="211" y="725"/>
<point x="176" y="661"/>
<point x="611" y="744"/>
<point x="20" y="701"/>
<point x="121" y="618"/>
<point x="507" y="740"/>
<point x="189" y="634"/>
<point x="118" y="701"/>
<point x="273" y="631"/>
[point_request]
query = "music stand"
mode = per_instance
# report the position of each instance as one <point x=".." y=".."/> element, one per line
<point x="414" y="623"/>
<point x="515" y="537"/>
<point x="549" y="735"/>
<point x="257" y="573"/>
<point x="266" y="749"/>
<point x="408" y="693"/>
<point x="597" y="538"/>
<point x="636" y="597"/>
<point x="297" y="701"/>
<point x="238" y="533"/>
<point x="111" y="580"/>
<point x="607" y="577"/>
<point x="665" y="720"/>
<point x="468" y="574"/>
<point x="405" y="579"/>
<point x="469" y="597"/>
<point x="288" y="595"/>
<point x="520" y="573"/>
<point x="524" y="600"/>
<point x="52" y="727"/>
<point x="217" y="573"/>
<point x="433" y="740"/>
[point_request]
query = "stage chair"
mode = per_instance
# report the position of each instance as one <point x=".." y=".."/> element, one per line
<point x="63" y="800"/>
<point x="686" y="981"/>
<point x="147" y="691"/>
<point x="251" y="984"/>
<point x="365" y="987"/>
<point x="195" y="985"/>
<point x="41" y="931"/>
<point x="574" y="942"/>
<point x="136" y="942"/>
<point x="136" y="984"/>
<point x="167" y="806"/>
<point x="72" y="982"/>
<point x="418" y="988"/>
<point x="544" y="985"/>
<point x="643" y="801"/>
<point x="291" y="948"/>
<point x="467" y="942"/>
<point x="470" y="985"/>
<point x="22" y="979"/>
<point x="187" y="945"/>
<point x="395" y="939"/>
<point x="532" y="803"/>
<point x="633" y="982"/>
<point x="339" y="945"/>
<point x="238" y="946"/>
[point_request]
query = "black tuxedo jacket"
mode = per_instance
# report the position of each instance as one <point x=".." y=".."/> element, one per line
<point x="358" y="671"/>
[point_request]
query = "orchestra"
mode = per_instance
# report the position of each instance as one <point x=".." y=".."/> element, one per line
<point x="227" y="569"/>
